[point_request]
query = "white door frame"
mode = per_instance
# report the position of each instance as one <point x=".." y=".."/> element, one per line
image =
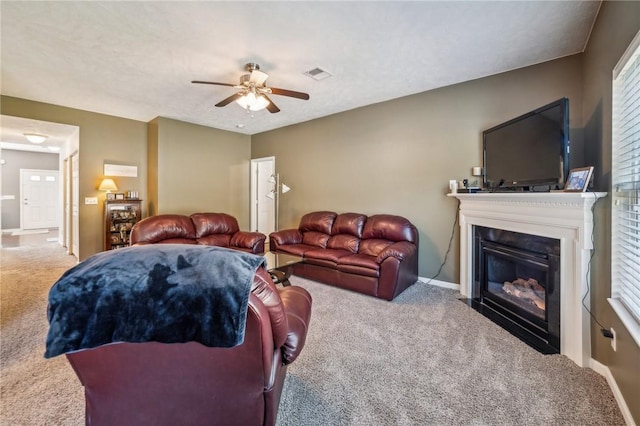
<point x="257" y="180"/>
<point x="75" y="204"/>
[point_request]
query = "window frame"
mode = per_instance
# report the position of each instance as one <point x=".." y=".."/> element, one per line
<point x="624" y="200"/>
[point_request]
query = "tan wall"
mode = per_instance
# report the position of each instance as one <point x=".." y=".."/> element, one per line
<point x="102" y="138"/>
<point x="201" y="169"/>
<point x="397" y="157"/>
<point x="194" y="168"/>
<point x="617" y="24"/>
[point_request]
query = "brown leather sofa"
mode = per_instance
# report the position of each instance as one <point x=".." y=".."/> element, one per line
<point x="375" y="255"/>
<point x="191" y="384"/>
<point x="212" y="229"/>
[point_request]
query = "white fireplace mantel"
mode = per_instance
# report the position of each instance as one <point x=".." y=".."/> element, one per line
<point x="566" y="216"/>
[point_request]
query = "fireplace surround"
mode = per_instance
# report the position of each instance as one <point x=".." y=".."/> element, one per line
<point x="563" y="216"/>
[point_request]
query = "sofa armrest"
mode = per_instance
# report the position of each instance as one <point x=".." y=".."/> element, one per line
<point x="400" y="250"/>
<point x="249" y="240"/>
<point x="297" y="307"/>
<point x="284" y="237"/>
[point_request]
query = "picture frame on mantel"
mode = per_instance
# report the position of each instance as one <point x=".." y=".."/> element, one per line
<point x="578" y="179"/>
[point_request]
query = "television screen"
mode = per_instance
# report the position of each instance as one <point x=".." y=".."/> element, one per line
<point x="529" y="150"/>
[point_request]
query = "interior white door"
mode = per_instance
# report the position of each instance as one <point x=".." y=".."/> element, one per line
<point x="40" y="199"/>
<point x="263" y="207"/>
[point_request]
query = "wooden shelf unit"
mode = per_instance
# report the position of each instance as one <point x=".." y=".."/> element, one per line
<point x="119" y="218"/>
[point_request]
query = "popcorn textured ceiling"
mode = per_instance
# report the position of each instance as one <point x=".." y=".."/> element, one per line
<point x="137" y="59"/>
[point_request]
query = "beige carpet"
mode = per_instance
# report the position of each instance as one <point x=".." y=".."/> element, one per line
<point x="35" y="391"/>
<point x="424" y="359"/>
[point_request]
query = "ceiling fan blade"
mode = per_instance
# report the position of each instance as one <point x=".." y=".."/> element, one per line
<point x="228" y="100"/>
<point x="258" y="77"/>
<point x="272" y="108"/>
<point x="214" y="83"/>
<point x="290" y="93"/>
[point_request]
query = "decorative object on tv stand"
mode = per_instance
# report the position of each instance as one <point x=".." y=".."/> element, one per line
<point x="578" y="179"/>
<point x="453" y="186"/>
<point x="274" y="194"/>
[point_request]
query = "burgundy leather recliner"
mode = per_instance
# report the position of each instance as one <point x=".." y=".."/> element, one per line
<point x="212" y="229"/>
<point x="191" y="384"/>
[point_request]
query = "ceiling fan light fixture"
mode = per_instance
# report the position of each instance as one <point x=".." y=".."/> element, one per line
<point x="35" y="138"/>
<point x="252" y="102"/>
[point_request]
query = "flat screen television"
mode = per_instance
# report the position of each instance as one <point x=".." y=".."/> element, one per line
<point x="529" y="151"/>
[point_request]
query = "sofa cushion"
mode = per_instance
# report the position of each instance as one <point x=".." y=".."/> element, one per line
<point x="214" y="223"/>
<point x="220" y="240"/>
<point x="326" y="254"/>
<point x="344" y="242"/>
<point x="360" y="264"/>
<point x="318" y="222"/>
<point x="373" y="247"/>
<point x="349" y="223"/>
<point x="316" y="239"/>
<point x="296" y="249"/>
<point x="390" y="227"/>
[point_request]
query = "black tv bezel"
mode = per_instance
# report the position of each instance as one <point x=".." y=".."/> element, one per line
<point x="558" y="183"/>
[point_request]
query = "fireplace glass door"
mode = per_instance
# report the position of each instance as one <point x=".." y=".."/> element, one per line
<point x="517" y="280"/>
<point x="517" y="284"/>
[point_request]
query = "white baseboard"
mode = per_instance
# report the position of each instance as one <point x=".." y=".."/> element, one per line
<point x="445" y="284"/>
<point x="603" y="370"/>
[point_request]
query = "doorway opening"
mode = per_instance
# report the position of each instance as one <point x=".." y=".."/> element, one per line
<point x="263" y="207"/>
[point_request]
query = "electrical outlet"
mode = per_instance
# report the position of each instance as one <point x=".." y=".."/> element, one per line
<point x="613" y="340"/>
<point x="90" y="200"/>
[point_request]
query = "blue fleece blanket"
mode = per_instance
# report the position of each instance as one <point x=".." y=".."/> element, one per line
<point x="162" y="292"/>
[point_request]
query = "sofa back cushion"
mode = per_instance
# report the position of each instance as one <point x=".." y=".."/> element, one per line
<point x="349" y="223"/>
<point x="317" y="239"/>
<point x="206" y="224"/>
<point x="344" y="242"/>
<point x="317" y="222"/>
<point x="391" y="228"/>
<point x="164" y="228"/>
<point x="373" y="246"/>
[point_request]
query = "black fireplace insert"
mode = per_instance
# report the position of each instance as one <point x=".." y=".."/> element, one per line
<point x="516" y="284"/>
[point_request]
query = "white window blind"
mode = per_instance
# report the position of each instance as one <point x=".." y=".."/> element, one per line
<point x="625" y="171"/>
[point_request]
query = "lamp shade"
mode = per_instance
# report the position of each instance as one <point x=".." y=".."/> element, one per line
<point x="107" y="185"/>
<point x="252" y="102"/>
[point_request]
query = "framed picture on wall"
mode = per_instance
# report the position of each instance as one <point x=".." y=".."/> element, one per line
<point x="578" y="179"/>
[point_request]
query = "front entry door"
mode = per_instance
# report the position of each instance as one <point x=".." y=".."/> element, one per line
<point x="40" y="199"/>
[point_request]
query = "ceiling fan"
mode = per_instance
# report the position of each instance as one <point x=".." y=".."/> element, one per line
<point x="253" y="94"/>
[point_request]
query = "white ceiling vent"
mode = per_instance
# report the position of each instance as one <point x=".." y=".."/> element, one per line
<point x="318" y="74"/>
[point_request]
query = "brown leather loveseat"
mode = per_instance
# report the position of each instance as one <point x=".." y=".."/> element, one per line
<point x="211" y="229"/>
<point x="375" y="255"/>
